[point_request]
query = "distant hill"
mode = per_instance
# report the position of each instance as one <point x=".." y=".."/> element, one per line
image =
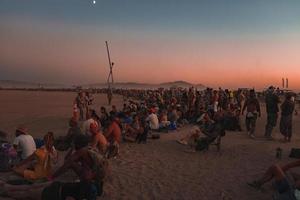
<point x="134" y="85"/>
<point x="126" y="85"/>
<point x="10" y="84"/>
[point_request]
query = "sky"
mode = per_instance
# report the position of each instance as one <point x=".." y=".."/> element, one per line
<point x="228" y="43"/>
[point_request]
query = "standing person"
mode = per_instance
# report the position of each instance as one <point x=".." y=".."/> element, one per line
<point x="272" y="101"/>
<point x="80" y="102"/>
<point x="253" y="110"/>
<point x="287" y="109"/>
<point x="24" y="142"/>
<point x="109" y="96"/>
<point x="88" y="100"/>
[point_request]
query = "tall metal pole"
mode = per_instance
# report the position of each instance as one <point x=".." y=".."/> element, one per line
<point x="110" y="63"/>
<point x="110" y="76"/>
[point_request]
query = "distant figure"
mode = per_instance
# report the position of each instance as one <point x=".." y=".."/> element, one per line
<point x="88" y="98"/>
<point x="24" y="142"/>
<point x="253" y="111"/>
<point x="272" y="101"/>
<point x="109" y="96"/>
<point x="287" y="109"/>
<point x="80" y="102"/>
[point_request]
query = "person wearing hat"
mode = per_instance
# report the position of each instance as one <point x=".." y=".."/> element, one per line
<point x="272" y="101"/>
<point x="24" y="142"/>
<point x="153" y="120"/>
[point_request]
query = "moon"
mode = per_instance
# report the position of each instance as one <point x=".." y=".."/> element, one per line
<point x="94" y="2"/>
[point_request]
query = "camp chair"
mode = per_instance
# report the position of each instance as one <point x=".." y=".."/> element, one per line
<point x="214" y="137"/>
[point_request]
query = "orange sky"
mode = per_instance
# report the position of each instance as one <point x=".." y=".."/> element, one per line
<point x="57" y="51"/>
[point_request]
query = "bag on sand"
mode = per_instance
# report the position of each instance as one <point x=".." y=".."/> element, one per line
<point x="295" y="153"/>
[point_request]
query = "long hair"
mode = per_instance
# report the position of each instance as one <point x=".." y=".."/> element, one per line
<point x="49" y="140"/>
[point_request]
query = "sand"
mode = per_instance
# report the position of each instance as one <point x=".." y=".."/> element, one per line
<point x="160" y="169"/>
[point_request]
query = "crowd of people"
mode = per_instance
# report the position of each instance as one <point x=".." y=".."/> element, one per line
<point x="94" y="138"/>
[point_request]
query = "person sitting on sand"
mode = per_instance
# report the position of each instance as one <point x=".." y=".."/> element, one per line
<point x="63" y="143"/>
<point x="8" y="154"/>
<point x="91" y="118"/>
<point x="104" y="117"/>
<point x="282" y="184"/>
<point x="98" y="141"/>
<point x="113" y="136"/>
<point x="24" y="143"/>
<point x="153" y="120"/>
<point x="113" y="133"/>
<point x="88" y="165"/>
<point x="43" y="158"/>
<point x="164" y="122"/>
<point x="134" y="129"/>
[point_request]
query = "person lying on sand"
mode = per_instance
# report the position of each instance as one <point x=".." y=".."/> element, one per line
<point x="43" y="158"/>
<point x="282" y="184"/>
<point x="32" y="191"/>
<point x="88" y="165"/>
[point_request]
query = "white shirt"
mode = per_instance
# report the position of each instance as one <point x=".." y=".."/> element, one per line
<point x="26" y="144"/>
<point x="87" y="124"/>
<point x="153" y="121"/>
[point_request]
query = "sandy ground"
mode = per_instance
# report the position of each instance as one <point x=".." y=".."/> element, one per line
<point x="160" y="169"/>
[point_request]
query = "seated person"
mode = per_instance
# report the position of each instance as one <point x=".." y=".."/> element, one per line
<point x="153" y="120"/>
<point x="144" y="130"/>
<point x="164" y="123"/>
<point x="282" y="183"/>
<point x="104" y="117"/>
<point x="8" y="154"/>
<point x="24" y="143"/>
<point x="88" y="165"/>
<point x="113" y="136"/>
<point x="91" y="118"/>
<point x="98" y="141"/>
<point x="42" y="158"/>
<point x="65" y="142"/>
<point x="210" y="130"/>
<point x="133" y="130"/>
